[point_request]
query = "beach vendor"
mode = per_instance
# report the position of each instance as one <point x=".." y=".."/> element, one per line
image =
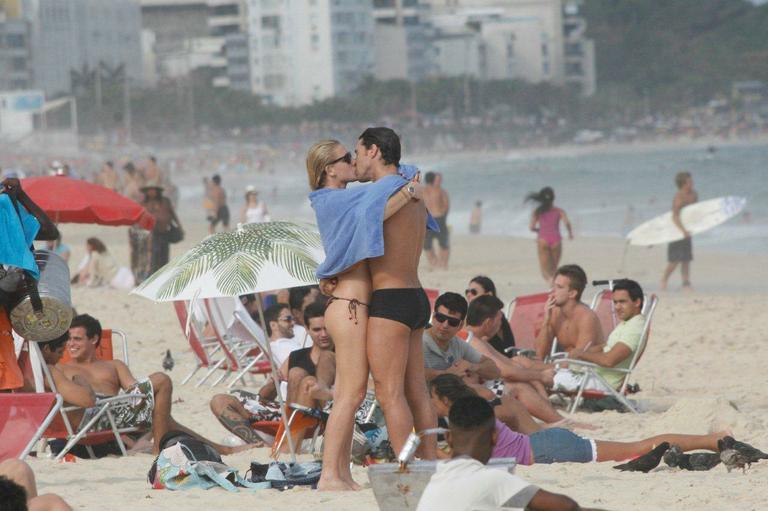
<point x="21" y="222"/>
<point x="351" y="228"/>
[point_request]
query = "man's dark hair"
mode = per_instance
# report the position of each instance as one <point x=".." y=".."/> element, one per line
<point x="454" y="302"/>
<point x="56" y="343"/>
<point x="248" y="298"/>
<point x="386" y="140"/>
<point x="631" y="287"/>
<point x="216" y="179"/>
<point x="482" y="308"/>
<point x="450" y="386"/>
<point x="429" y="177"/>
<point x="296" y="296"/>
<point x="471" y="413"/>
<point x="271" y="314"/>
<point x="314" y="310"/>
<point x="129" y="167"/>
<point x="577" y="277"/>
<point x="152" y="158"/>
<point x="13" y="496"/>
<point x="486" y="283"/>
<point x="91" y="325"/>
<point x="109" y="164"/>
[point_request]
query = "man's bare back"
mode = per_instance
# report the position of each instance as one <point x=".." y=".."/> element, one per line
<point x="436" y="200"/>
<point x="403" y="237"/>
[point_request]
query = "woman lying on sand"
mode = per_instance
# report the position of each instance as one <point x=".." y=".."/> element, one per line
<point x="558" y="445"/>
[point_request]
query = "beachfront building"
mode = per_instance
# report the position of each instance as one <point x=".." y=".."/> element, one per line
<point x="403" y="40"/>
<point x="301" y="51"/>
<point x="532" y="40"/>
<point x="73" y="35"/>
<point x="15" y="54"/>
<point x="191" y="34"/>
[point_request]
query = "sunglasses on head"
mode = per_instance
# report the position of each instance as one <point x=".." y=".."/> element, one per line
<point x="471" y="291"/>
<point x="442" y="318"/>
<point x="347" y="158"/>
<point x="287" y="319"/>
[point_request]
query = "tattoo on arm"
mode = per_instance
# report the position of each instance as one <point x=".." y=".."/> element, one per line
<point x="234" y="422"/>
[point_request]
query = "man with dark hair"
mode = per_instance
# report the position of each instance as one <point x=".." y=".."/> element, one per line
<point x="299" y="298"/>
<point x="280" y="323"/>
<point x="310" y="373"/>
<point x="444" y="352"/>
<point x="622" y="343"/>
<point x="681" y="252"/>
<point x="526" y="384"/>
<point x="399" y="308"/>
<point x="152" y="407"/>
<point x="575" y="325"/>
<point x="438" y="204"/>
<point x="386" y="141"/>
<point x="219" y="211"/>
<point x="464" y="482"/>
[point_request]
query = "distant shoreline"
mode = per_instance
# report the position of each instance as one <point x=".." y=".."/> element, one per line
<point x="570" y="150"/>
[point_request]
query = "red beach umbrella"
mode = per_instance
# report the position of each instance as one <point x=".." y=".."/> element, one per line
<point x="67" y="200"/>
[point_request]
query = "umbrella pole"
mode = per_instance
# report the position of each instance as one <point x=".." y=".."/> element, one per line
<point x="275" y="378"/>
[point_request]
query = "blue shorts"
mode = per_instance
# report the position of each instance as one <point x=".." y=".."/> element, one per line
<point x="558" y="445"/>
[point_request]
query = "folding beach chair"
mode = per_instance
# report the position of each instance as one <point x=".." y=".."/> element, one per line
<point x="590" y="370"/>
<point x="602" y="305"/>
<point x="105" y="350"/>
<point x="275" y="431"/>
<point x="61" y="427"/>
<point x="24" y="418"/>
<point x="243" y="355"/>
<point x="204" y="348"/>
<point x="526" y="317"/>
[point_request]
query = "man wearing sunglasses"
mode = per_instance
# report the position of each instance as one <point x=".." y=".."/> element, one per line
<point x="444" y="352"/>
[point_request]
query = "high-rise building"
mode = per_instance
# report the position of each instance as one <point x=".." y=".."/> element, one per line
<point x="15" y="54"/>
<point x="74" y="35"/>
<point x="403" y="39"/>
<point x="192" y="34"/>
<point x="301" y="51"/>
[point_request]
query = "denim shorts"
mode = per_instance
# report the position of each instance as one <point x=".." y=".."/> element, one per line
<point x="558" y="445"/>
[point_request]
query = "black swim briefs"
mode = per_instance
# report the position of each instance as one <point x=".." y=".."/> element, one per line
<point x="409" y="306"/>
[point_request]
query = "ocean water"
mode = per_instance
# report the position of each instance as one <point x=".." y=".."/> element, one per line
<point x="605" y="194"/>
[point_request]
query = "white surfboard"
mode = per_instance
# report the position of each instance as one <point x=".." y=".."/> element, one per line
<point x="696" y="218"/>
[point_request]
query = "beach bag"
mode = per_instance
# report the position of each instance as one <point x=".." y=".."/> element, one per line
<point x="174" y="234"/>
<point x="186" y="462"/>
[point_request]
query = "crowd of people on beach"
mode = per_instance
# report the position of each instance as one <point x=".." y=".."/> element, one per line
<point x="368" y="336"/>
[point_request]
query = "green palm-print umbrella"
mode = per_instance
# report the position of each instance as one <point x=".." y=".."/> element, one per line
<point x="249" y="259"/>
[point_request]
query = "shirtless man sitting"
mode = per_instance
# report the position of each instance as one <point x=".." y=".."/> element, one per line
<point x="566" y="318"/>
<point x="152" y="408"/>
<point x="310" y="374"/>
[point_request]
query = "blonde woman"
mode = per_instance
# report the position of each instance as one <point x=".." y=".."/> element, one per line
<point x="347" y="220"/>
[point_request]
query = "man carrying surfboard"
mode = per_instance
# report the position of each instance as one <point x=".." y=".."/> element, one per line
<point x="681" y="251"/>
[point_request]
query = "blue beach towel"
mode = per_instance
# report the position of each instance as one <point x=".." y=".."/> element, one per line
<point x="351" y="221"/>
<point x="17" y="231"/>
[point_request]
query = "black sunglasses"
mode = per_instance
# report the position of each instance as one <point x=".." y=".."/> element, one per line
<point x="347" y="158"/>
<point x="442" y="318"/>
<point x="470" y="291"/>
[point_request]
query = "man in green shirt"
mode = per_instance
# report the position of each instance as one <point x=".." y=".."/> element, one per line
<point x="622" y="343"/>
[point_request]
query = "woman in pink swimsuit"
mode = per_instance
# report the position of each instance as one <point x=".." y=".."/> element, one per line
<point x="546" y="222"/>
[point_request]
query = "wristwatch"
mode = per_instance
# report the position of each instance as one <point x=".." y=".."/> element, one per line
<point x="411" y="190"/>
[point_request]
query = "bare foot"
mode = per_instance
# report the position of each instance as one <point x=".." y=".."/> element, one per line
<point x="329" y="484"/>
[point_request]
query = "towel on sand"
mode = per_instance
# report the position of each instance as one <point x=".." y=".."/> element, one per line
<point x="351" y="220"/>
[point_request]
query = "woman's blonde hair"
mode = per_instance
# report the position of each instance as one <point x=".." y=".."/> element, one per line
<point x="318" y="157"/>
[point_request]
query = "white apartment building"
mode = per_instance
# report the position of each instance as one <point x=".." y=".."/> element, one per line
<point x="301" y="51"/>
<point x="515" y="39"/>
<point x="191" y="34"/>
<point x="403" y="39"/>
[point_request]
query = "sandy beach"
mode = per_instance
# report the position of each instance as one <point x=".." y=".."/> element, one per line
<point x="703" y="371"/>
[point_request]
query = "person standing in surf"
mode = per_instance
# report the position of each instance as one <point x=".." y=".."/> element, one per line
<point x="681" y="251"/>
<point x="545" y="221"/>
